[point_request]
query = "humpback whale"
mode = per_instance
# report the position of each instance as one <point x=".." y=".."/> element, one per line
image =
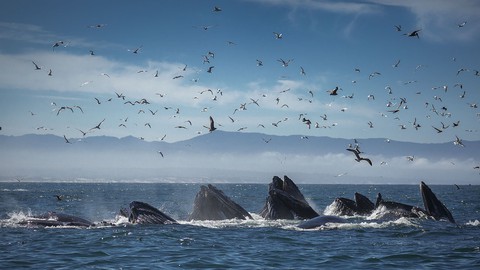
<point x="434" y="208"/>
<point x="320" y="221"/>
<point x="143" y="213"/>
<point x="53" y="219"/>
<point x="347" y="207"/>
<point x="285" y="201"/>
<point x="212" y="204"/>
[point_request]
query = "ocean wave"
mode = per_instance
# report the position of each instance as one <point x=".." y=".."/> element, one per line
<point x="475" y="223"/>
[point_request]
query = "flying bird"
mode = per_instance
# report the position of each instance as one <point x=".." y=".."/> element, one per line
<point x="212" y="125"/>
<point x="37" y="67"/>
<point x="358" y="157"/>
<point x="285" y="62"/>
<point x="66" y="140"/>
<point x="413" y="33"/>
<point x="136" y="50"/>
<point x="97" y="126"/>
<point x="333" y="92"/>
<point x="458" y="141"/>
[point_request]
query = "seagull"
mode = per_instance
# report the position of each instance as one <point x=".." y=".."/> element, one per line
<point x="66" y="140"/>
<point x="212" y="125"/>
<point x="210" y="69"/>
<point x="83" y="132"/>
<point x="216" y="9"/>
<point x="333" y="92"/>
<point x="414" y="33"/>
<point x="302" y="71"/>
<point x="438" y="130"/>
<point x="50" y="72"/>
<point x="97" y="26"/>
<point x="358" y="157"/>
<point x="396" y="64"/>
<point x="59" y="197"/>
<point x="161" y="154"/>
<point x="410" y="158"/>
<point x="285" y="62"/>
<point x="462" y="24"/>
<point x="64" y="108"/>
<point x="36" y="66"/>
<point x="136" y="50"/>
<point x="97" y="126"/>
<point x="398" y="27"/>
<point x="259" y="63"/>
<point x="278" y="35"/>
<point x="458" y="141"/>
<point x="57" y="44"/>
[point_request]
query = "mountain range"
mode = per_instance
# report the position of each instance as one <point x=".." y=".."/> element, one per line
<point x="233" y="156"/>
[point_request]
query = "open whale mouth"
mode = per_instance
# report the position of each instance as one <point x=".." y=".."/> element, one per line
<point x="433" y="206"/>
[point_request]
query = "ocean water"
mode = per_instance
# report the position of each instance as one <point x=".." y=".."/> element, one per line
<point x="362" y="243"/>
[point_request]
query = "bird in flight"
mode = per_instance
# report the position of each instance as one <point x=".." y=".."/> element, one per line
<point x="212" y="125"/>
<point x="37" y="67"/>
<point x="66" y="140"/>
<point x="333" y="92"/>
<point x="97" y="126"/>
<point x="358" y="157"/>
<point x="136" y="50"/>
<point x="458" y="141"/>
<point x="414" y="33"/>
<point x="285" y="62"/>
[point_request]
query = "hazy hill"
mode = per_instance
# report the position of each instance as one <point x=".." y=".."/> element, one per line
<point x="232" y="155"/>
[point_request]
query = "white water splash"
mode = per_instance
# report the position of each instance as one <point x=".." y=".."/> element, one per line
<point x="475" y="223"/>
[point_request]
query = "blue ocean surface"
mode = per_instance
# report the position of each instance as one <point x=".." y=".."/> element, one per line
<point x="362" y="243"/>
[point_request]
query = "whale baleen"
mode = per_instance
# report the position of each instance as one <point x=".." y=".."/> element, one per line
<point x="285" y="201"/>
<point x="212" y="204"/>
<point x="144" y="213"/>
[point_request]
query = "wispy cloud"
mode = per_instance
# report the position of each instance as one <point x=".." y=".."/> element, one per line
<point x="438" y="19"/>
<point x="345" y="7"/>
<point x="37" y="35"/>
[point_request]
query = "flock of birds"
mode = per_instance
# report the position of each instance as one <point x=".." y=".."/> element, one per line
<point x="394" y="105"/>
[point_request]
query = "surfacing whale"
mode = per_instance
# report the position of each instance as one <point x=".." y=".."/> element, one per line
<point x="321" y="221"/>
<point x="54" y="219"/>
<point x="434" y="208"/>
<point x="285" y="201"/>
<point x="212" y="204"/>
<point x="144" y="213"/>
<point x="347" y="207"/>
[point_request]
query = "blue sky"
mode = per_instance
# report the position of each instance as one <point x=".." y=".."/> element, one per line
<point x="328" y="39"/>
